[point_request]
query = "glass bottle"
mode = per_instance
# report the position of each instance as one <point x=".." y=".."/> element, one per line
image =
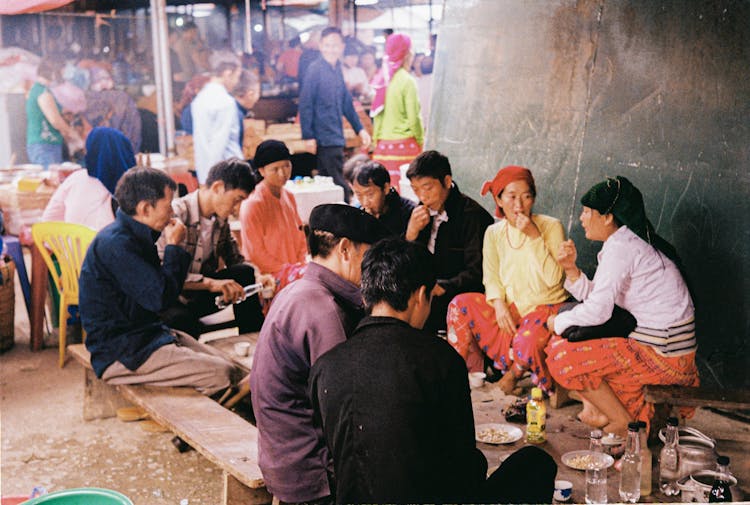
<point x="669" y="460"/>
<point x="596" y="476"/>
<point x="721" y="492"/>
<point x="249" y="291"/>
<point x="645" y="459"/>
<point x="630" y="473"/>
<point x="536" y="418"/>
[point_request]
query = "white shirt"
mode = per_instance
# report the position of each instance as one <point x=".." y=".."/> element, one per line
<point x="437" y="220"/>
<point x="216" y="128"/>
<point x="637" y="277"/>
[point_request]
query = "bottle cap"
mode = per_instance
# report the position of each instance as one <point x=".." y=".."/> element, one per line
<point x="633" y="426"/>
<point x="536" y="394"/>
<point x="723" y="460"/>
<point x="641" y="424"/>
<point x="672" y="421"/>
<point x="596" y="434"/>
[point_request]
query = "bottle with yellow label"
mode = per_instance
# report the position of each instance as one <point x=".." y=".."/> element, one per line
<point x="536" y="418"/>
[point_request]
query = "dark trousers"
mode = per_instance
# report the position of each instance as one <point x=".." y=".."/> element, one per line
<point x="331" y="163"/>
<point x="248" y="315"/>
<point x="526" y="476"/>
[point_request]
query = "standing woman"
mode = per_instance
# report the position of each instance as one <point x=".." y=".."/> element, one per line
<point x="523" y="286"/>
<point x="398" y="131"/>
<point x="85" y="197"/>
<point x="46" y="129"/>
<point x="640" y="272"/>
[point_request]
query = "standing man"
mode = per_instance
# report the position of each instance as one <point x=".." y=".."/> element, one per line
<point x="307" y="318"/>
<point x="371" y="183"/>
<point x="395" y="405"/>
<point x="323" y="100"/>
<point x="452" y="226"/>
<point x="216" y="129"/>
<point x="124" y="286"/>
<point x="217" y="267"/>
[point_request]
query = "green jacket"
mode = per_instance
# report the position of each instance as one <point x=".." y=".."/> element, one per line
<point x="401" y="117"/>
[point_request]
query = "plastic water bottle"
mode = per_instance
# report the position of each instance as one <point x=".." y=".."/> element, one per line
<point x="721" y="491"/>
<point x="645" y="460"/>
<point x="630" y="474"/>
<point x="249" y="291"/>
<point x="669" y="460"/>
<point x="536" y="418"/>
<point x="596" y="476"/>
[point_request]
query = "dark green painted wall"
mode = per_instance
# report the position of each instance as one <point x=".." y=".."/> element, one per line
<point x="657" y="91"/>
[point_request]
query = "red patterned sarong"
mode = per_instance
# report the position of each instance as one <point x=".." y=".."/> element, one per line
<point x="474" y="333"/>
<point x="394" y="153"/>
<point x="624" y="363"/>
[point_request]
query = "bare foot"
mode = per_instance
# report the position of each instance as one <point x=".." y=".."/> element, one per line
<point x="592" y="416"/>
<point x="574" y="395"/>
<point x="507" y="383"/>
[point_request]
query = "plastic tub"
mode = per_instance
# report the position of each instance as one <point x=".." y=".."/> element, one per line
<point x="82" y="496"/>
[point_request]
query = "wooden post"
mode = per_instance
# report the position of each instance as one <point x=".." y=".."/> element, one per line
<point x="100" y="400"/>
<point x="236" y="493"/>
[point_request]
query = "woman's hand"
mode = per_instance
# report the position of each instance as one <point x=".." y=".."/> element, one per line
<point x="527" y="226"/>
<point x="551" y="323"/>
<point x="504" y="318"/>
<point x="566" y="257"/>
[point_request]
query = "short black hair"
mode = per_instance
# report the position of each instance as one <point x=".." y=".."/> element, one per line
<point x="234" y="173"/>
<point x="139" y="184"/>
<point x="393" y="269"/>
<point x="330" y="30"/>
<point x="372" y="172"/>
<point x="320" y="243"/>
<point x="352" y="164"/>
<point x="429" y="164"/>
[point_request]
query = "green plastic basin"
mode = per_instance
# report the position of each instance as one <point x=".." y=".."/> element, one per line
<point x="82" y="496"/>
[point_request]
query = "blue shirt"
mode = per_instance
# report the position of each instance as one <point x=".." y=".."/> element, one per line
<point x="322" y="102"/>
<point x="123" y="287"/>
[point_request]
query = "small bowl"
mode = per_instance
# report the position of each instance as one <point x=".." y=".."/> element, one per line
<point x="242" y="348"/>
<point x="476" y="379"/>
<point x="563" y="490"/>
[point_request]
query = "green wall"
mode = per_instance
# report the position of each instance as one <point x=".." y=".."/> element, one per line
<point x="657" y="91"/>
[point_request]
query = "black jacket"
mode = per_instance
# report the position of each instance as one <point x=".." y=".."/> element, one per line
<point x="397" y="213"/>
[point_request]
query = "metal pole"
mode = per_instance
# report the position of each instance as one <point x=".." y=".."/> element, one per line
<point x="163" y="76"/>
<point x="248" y="33"/>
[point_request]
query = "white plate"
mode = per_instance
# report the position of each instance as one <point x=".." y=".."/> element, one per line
<point x="497" y="433"/>
<point x="612" y="439"/>
<point x="578" y="460"/>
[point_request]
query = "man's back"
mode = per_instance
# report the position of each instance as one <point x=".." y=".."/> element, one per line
<point x="397" y="416"/>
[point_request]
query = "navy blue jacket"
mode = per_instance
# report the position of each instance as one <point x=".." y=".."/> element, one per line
<point x="122" y="288"/>
<point x="322" y="102"/>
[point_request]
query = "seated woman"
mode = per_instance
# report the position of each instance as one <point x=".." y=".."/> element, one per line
<point x="272" y="235"/>
<point x="639" y="272"/>
<point x="523" y="286"/>
<point x="85" y="197"/>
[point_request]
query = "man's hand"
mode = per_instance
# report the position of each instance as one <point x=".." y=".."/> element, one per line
<point x="230" y="290"/>
<point x="420" y="217"/>
<point x="566" y="257"/>
<point x="365" y="138"/>
<point x="438" y="290"/>
<point x="527" y="226"/>
<point x="174" y="232"/>
<point x="311" y="146"/>
<point x="504" y="318"/>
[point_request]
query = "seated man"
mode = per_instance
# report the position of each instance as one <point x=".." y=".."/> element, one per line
<point x="371" y="183"/>
<point x="452" y="226"/>
<point x="395" y="405"/>
<point x="123" y="287"/>
<point x="217" y="267"/>
<point x="307" y="318"/>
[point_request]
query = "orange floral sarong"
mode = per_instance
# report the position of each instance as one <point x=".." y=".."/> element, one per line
<point x="624" y="363"/>
<point x="473" y="332"/>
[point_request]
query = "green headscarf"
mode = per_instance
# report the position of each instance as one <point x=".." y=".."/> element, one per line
<point x="618" y="196"/>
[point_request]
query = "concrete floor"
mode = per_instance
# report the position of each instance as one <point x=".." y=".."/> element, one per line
<point x="46" y="443"/>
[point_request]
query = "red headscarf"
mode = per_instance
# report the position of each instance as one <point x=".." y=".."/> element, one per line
<point x="397" y="47"/>
<point x="505" y="176"/>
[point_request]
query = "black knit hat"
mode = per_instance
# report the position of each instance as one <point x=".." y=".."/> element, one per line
<point x="270" y="151"/>
<point x="349" y="222"/>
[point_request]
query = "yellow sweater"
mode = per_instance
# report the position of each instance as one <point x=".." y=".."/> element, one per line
<point x="526" y="272"/>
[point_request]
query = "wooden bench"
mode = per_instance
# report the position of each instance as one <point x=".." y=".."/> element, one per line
<point x="681" y="396"/>
<point x="221" y="436"/>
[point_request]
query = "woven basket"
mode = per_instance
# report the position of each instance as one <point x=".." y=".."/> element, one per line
<point x="7" y="304"/>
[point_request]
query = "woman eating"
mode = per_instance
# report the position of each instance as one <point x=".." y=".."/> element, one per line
<point x="639" y="272"/>
<point x="523" y="286"/>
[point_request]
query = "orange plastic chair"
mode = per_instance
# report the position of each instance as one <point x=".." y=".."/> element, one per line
<point x="68" y="243"/>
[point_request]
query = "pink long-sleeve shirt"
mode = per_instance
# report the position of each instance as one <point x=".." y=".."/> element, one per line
<point x="81" y="199"/>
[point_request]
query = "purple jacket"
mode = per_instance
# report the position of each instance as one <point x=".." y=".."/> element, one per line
<point x="308" y="318"/>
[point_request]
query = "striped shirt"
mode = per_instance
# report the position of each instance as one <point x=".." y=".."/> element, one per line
<point x="639" y="278"/>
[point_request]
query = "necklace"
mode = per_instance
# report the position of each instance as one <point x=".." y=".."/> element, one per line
<point x="507" y="237"/>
